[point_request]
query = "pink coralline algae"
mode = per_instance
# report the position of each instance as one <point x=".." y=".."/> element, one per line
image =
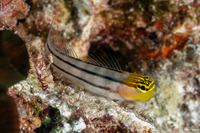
<point x="11" y="11"/>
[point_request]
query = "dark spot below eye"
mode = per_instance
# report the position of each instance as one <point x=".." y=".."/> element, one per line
<point x="142" y="87"/>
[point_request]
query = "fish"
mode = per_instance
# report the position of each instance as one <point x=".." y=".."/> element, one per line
<point x="100" y="76"/>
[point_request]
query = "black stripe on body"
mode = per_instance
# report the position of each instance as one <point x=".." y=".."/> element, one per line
<point x="102" y="87"/>
<point x="87" y="71"/>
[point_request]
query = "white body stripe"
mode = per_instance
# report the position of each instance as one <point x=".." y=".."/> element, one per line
<point x="91" y="88"/>
<point x="93" y="83"/>
<point x="96" y="69"/>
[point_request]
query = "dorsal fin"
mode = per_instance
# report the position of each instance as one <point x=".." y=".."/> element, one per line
<point x="100" y="59"/>
<point x="104" y="61"/>
<point x="58" y="42"/>
<point x="69" y="51"/>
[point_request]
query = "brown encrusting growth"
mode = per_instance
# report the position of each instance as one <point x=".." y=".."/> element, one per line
<point x="112" y="126"/>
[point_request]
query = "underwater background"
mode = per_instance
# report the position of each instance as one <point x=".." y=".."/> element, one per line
<point x="158" y="38"/>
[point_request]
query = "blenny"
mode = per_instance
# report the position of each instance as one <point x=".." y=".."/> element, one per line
<point x="104" y="80"/>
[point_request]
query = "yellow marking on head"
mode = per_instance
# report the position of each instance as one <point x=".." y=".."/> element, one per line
<point x="137" y="88"/>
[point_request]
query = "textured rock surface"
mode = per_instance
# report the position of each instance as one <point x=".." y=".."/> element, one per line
<point x="151" y="37"/>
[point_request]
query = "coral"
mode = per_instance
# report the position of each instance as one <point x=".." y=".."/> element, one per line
<point x="151" y="37"/>
<point x="177" y="102"/>
<point x="11" y="11"/>
<point x="75" y="110"/>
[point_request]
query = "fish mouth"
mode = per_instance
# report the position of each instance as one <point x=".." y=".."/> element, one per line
<point x="152" y="86"/>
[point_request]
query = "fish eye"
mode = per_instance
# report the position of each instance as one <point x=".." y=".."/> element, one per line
<point x="142" y="87"/>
